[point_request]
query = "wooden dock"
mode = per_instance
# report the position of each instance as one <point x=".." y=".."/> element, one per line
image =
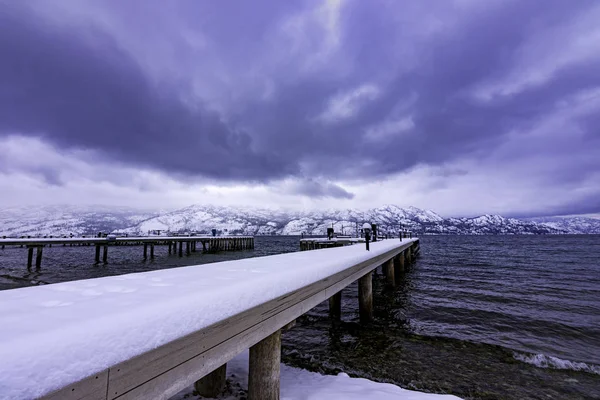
<point x="177" y="245"/>
<point x="297" y="282"/>
<point x="326" y="243"/>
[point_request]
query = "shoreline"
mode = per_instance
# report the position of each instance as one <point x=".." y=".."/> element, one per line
<point x="426" y="363"/>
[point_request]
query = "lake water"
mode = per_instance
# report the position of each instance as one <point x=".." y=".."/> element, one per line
<point x="477" y="316"/>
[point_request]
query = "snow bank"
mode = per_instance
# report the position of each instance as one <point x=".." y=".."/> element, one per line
<point x="57" y="334"/>
<point x="299" y="384"/>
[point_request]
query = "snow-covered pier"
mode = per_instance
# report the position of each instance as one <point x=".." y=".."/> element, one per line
<point x="175" y="243"/>
<point x="149" y="335"/>
<point x="325" y="243"/>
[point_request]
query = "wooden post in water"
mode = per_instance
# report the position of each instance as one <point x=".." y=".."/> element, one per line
<point x="38" y="257"/>
<point x="212" y="384"/>
<point x="335" y="306"/>
<point x="265" y="361"/>
<point x="97" y="258"/>
<point x="29" y="257"/>
<point x="180" y="249"/>
<point x="145" y="250"/>
<point x="105" y="254"/>
<point x="365" y="298"/>
<point x="388" y="268"/>
<point x="152" y="251"/>
<point x="170" y="245"/>
<point x="399" y="265"/>
<point x="187" y="248"/>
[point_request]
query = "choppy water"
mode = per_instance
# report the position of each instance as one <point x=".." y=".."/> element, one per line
<point x="537" y="294"/>
<point x="479" y="303"/>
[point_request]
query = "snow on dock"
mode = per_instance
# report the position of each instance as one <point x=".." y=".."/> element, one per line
<point x="58" y="334"/>
<point x="209" y="244"/>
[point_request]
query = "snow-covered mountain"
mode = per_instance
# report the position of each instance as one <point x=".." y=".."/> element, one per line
<point x="63" y="220"/>
<point x="571" y="224"/>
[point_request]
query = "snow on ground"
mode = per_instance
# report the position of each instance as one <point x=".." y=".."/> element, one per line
<point x="57" y="334"/>
<point x="299" y="384"/>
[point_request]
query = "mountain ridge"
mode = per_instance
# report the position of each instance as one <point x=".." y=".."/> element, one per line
<point x="66" y="220"/>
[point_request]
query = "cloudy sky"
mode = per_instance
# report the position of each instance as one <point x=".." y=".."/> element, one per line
<point x="464" y="107"/>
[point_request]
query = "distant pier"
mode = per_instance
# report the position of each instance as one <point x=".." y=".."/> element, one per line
<point x="339" y="241"/>
<point x="177" y="245"/>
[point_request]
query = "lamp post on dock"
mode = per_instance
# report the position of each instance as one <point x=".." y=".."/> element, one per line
<point x="367" y="231"/>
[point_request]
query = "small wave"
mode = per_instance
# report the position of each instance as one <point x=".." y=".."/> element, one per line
<point x="544" y="361"/>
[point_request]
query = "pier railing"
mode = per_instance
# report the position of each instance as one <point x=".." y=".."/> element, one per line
<point x="298" y="282"/>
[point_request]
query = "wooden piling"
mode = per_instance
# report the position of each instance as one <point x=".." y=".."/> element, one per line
<point x="265" y="361"/>
<point x="29" y="257"/>
<point x="152" y="251"/>
<point x="399" y="265"/>
<point x="187" y="248"/>
<point x="388" y="268"/>
<point x="97" y="258"/>
<point x="170" y="245"/>
<point x="365" y="298"/>
<point x="105" y="254"/>
<point x="180" y="249"/>
<point x="335" y="306"/>
<point x="145" y="250"/>
<point x="212" y="384"/>
<point x="38" y="257"/>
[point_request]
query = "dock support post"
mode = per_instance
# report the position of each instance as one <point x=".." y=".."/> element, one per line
<point x="97" y="258"/>
<point x="38" y="257"/>
<point x="399" y="266"/>
<point x="265" y="360"/>
<point x="187" y="248"/>
<point x="335" y="306"/>
<point x="365" y="298"/>
<point x="29" y="257"/>
<point x="105" y="254"/>
<point x="180" y="249"/>
<point x="145" y="250"/>
<point x="170" y="245"/>
<point x="212" y="384"/>
<point x="388" y="268"/>
<point x="152" y="251"/>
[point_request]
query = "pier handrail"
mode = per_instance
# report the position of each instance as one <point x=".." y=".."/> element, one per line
<point x="163" y="370"/>
<point x="104" y="240"/>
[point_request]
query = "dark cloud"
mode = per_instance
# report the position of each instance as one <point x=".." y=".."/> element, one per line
<point x="316" y="189"/>
<point x="81" y="87"/>
<point x="91" y="94"/>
